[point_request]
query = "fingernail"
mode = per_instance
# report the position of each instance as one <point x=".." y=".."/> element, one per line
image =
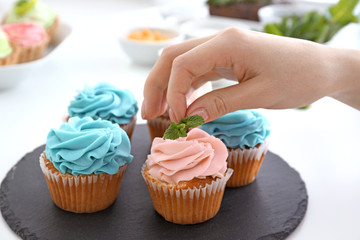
<point x="143" y="113"/>
<point x="200" y="111"/>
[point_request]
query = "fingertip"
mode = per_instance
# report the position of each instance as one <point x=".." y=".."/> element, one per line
<point x="201" y="112"/>
<point x="143" y="110"/>
<point x="177" y="115"/>
<point x="210" y="106"/>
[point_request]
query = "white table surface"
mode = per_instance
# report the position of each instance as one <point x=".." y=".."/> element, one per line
<point x="321" y="143"/>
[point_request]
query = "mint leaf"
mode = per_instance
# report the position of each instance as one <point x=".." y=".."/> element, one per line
<point x="172" y="132"/>
<point x="175" y="131"/>
<point x="192" y="121"/>
<point x="182" y="130"/>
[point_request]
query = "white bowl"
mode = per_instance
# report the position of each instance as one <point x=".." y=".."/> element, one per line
<point x="12" y="74"/>
<point x="146" y="52"/>
<point x="274" y="13"/>
<point x="208" y="26"/>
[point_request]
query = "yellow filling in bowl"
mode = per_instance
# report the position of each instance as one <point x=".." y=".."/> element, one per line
<point x="148" y="35"/>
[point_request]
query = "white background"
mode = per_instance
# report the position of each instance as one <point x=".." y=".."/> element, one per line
<point x="321" y="143"/>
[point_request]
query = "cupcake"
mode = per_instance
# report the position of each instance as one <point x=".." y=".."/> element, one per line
<point x="84" y="162"/>
<point x="108" y="103"/>
<point x="34" y="11"/>
<point x="186" y="177"/>
<point x="158" y="125"/>
<point x="8" y="54"/>
<point x="244" y="133"/>
<point x="29" y="39"/>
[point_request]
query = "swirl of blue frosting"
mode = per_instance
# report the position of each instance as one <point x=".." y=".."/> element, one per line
<point x="239" y="129"/>
<point x="106" y="102"/>
<point x="86" y="146"/>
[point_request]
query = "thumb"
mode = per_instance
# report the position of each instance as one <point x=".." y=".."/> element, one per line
<point x="246" y="95"/>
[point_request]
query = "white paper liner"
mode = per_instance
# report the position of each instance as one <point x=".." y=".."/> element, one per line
<point x="246" y="164"/>
<point x="187" y="206"/>
<point x="78" y="193"/>
<point x="239" y="156"/>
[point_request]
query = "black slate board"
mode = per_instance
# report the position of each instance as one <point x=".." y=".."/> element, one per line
<point x="269" y="208"/>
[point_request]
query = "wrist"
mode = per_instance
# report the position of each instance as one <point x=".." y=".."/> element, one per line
<point x="346" y="76"/>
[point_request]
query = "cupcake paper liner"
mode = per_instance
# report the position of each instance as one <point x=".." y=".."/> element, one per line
<point x="158" y="126"/>
<point x="31" y="53"/>
<point x="129" y="128"/>
<point x="190" y="205"/>
<point x="81" y="193"/>
<point x="246" y="164"/>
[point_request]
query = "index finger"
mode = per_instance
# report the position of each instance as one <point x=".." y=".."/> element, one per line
<point x="192" y="64"/>
<point x="157" y="82"/>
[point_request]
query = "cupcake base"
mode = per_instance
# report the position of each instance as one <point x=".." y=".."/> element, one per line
<point x="129" y="128"/>
<point x="31" y="53"/>
<point x="246" y="164"/>
<point x="158" y="126"/>
<point x="81" y="193"/>
<point x="189" y="202"/>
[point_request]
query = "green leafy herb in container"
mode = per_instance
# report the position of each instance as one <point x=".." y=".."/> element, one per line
<point x="315" y="26"/>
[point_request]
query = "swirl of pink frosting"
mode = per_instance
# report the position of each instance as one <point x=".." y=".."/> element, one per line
<point x="25" y="34"/>
<point x="196" y="156"/>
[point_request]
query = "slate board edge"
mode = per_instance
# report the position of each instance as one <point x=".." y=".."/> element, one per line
<point x="300" y="211"/>
<point x="9" y="216"/>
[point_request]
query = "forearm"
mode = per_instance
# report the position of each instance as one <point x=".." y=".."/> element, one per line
<point x="348" y="77"/>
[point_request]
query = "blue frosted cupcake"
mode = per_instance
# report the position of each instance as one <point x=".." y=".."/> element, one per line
<point x="84" y="162"/>
<point x="106" y="102"/>
<point x="244" y="133"/>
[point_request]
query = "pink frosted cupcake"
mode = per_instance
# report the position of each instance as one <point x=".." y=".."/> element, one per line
<point x="34" y="11"/>
<point x="29" y="39"/>
<point x="186" y="177"/>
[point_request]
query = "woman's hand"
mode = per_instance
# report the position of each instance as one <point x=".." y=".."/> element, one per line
<point x="272" y="72"/>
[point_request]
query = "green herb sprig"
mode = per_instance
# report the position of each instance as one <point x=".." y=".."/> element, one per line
<point x="314" y="26"/>
<point x="180" y="129"/>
